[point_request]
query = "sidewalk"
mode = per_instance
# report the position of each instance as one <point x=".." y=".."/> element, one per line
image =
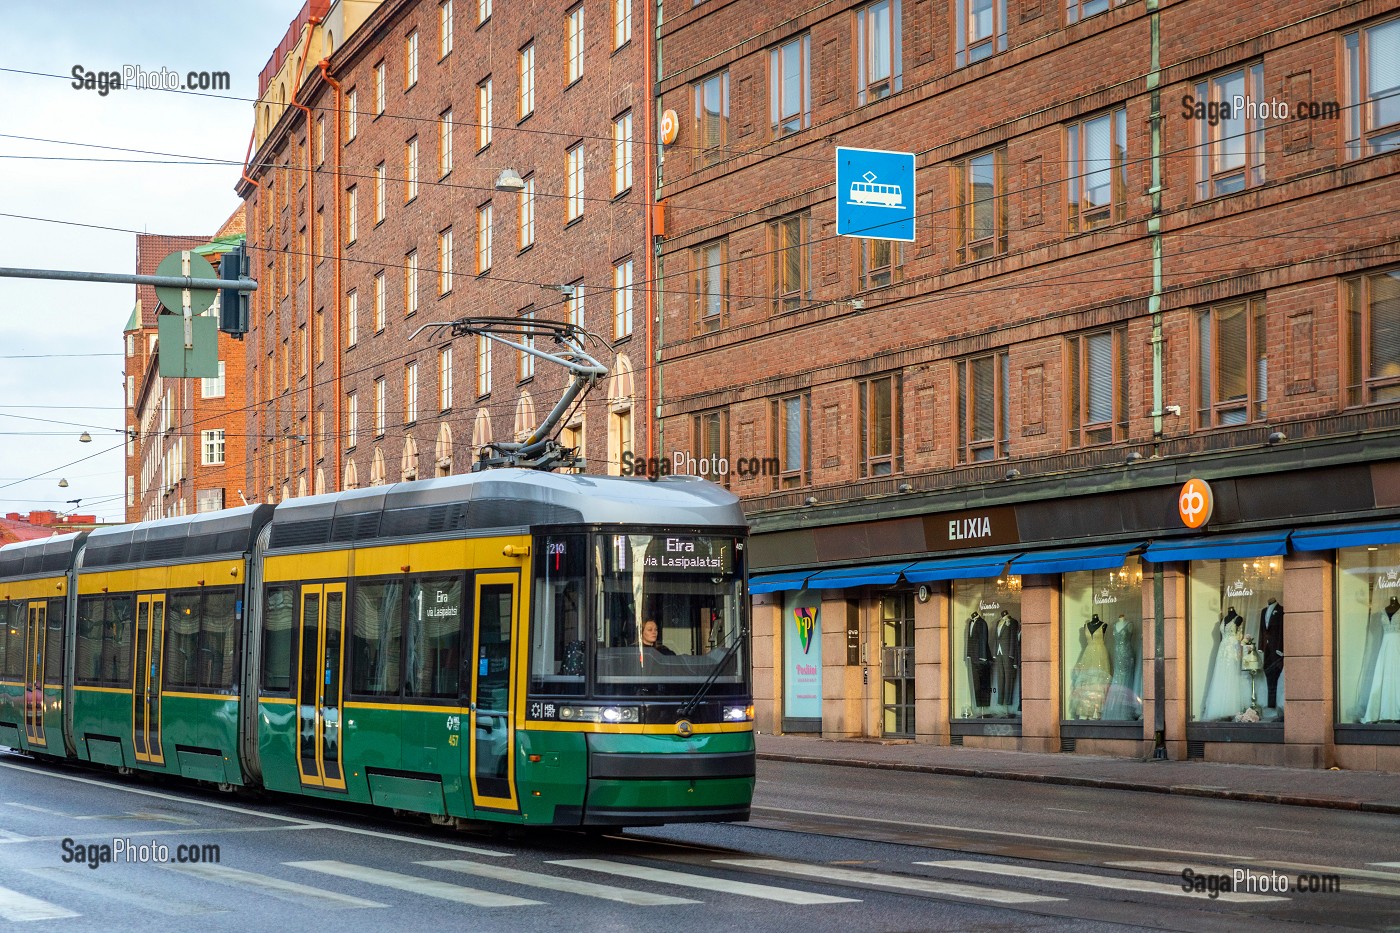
<point x="1372" y="791"/>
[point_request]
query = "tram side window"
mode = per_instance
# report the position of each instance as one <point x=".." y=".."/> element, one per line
<point x="12" y="641"/>
<point x="53" y="644"/>
<point x="105" y="631"/>
<point x="182" y="640"/>
<point x="5" y="626"/>
<point x="558" y="646"/>
<point x="199" y="640"/>
<point x="376" y="639"/>
<point x="433" y="651"/>
<point x="279" y="613"/>
<point x="218" y="638"/>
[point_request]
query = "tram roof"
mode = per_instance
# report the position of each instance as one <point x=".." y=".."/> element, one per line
<point x="504" y="498"/>
<point x="204" y="536"/>
<point x="41" y="557"/>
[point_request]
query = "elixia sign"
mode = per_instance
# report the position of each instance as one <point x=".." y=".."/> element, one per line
<point x="972" y="528"/>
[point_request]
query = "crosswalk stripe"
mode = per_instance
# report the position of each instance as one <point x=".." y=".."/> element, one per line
<point x="17" y="906"/>
<point x="703" y="882"/>
<point x="1346" y="875"/>
<point x="1095" y="881"/>
<point x="897" y="882"/>
<point x="424" y="886"/>
<point x="99" y="885"/>
<point x="277" y="887"/>
<point x="552" y="883"/>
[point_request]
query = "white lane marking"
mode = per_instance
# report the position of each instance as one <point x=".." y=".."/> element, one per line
<point x="1009" y="834"/>
<point x="1095" y="881"/>
<point x="703" y="882"/>
<point x="300" y="823"/>
<point x="1282" y="829"/>
<point x="25" y="806"/>
<point x="1064" y="809"/>
<point x="553" y="883"/>
<point x="277" y="887"/>
<point x="204" y="831"/>
<point x="89" y="881"/>
<point x="897" y="882"/>
<point x="425" y="886"/>
<point x="17" y="906"/>
<point x="1350" y="887"/>
<point x="7" y="836"/>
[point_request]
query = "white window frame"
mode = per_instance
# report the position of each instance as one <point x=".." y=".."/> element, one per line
<point x="352" y="317"/>
<point x="410" y="282"/>
<point x="445" y="261"/>
<point x="483" y="239"/>
<point x="527" y="213"/>
<point x="527" y="80"/>
<point x="622" y="23"/>
<point x="410" y="392"/>
<point x="444" y="29"/>
<point x="574" y="174"/>
<point x="574" y="48"/>
<point x="216" y="387"/>
<point x="445" y="379"/>
<point x="212" y="447"/>
<point x="622" y="153"/>
<point x="483" y="113"/>
<point x="445" y="143"/>
<point x="410" y="60"/>
<point x="483" y="365"/>
<point x="622" y="299"/>
<point x="410" y="159"/>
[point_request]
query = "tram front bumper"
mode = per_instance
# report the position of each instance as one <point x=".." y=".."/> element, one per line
<point x="650" y="780"/>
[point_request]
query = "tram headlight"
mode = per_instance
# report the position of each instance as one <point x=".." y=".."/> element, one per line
<point x="738" y="714"/>
<point x="606" y="714"/>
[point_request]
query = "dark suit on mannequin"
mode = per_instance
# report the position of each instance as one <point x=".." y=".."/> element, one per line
<point x="1007" y="658"/>
<point x="1271" y="646"/>
<point x="979" y="659"/>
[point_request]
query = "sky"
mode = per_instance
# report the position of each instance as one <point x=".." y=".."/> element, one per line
<point x="61" y="343"/>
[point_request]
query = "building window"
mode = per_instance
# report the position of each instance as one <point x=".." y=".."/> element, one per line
<point x="575" y="304"/>
<point x="379" y="302"/>
<point x="1096" y="387"/>
<point x="445" y="142"/>
<point x="483" y="11"/>
<point x="1233" y="364"/>
<point x="213" y="388"/>
<point x="789" y="86"/>
<point x="410" y="60"/>
<point x="483" y="239"/>
<point x="575" y="180"/>
<point x="1098" y="179"/>
<point x="710" y="441"/>
<point x="527" y="213"/>
<point x="622" y="153"/>
<point x="379" y="193"/>
<point x="352" y="419"/>
<point x="979" y="199"/>
<point x="212" y="444"/>
<point x="571" y="438"/>
<point x="712" y="117"/>
<point x="787" y="242"/>
<point x="879" y="51"/>
<point x="981" y="29"/>
<point x="320" y="325"/>
<point x="410" y="284"/>
<point x="1373" y="338"/>
<point x="622" y="23"/>
<point x="880" y="435"/>
<point x="410" y="393"/>
<point x="790" y="442"/>
<point x="622" y="299"/>
<point x="483" y="114"/>
<point x="444" y="28"/>
<point x="710" y="264"/>
<point x="483" y="365"/>
<point x="527" y="360"/>
<point x="320" y="244"/>
<point x="1373" y="89"/>
<point x="445" y="378"/>
<point x="379" y="402"/>
<point x="352" y="213"/>
<point x="1230" y="154"/>
<point x="320" y="140"/>
<point x="1075" y="10"/>
<point x="410" y="169"/>
<point x="445" y="261"/>
<point x="352" y="114"/>
<point x="379" y="89"/>
<point x="575" y="49"/>
<point x="984" y="385"/>
<point x="879" y="262"/>
<point x="527" y="80"/>
<point x="352" y="318"/>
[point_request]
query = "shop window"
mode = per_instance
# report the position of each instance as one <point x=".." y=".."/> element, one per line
<point x="1101" y="635"/>
<point x="791" y="444"/>
<point x="979" y="205"/>
<point x="1233" y="365"/>
<point x="1373" y="338"/>
<point x="984" y="384"/>
<point x="1373" y="89"/>
<point x="1096" y="387"/>
<point x="1235" y="640"/>
<point x="1098" y="179"/>
<point x="789" y="86"/>
<point x="879" y="53"/>
<point x="1368" y="634"/>
<point x="1229" y="139"/>
<point x="986" y="668"/>
<point x="879" y="404"/>
<point x="981" y="29"/>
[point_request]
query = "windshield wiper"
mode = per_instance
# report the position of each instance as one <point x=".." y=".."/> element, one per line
<point x="688" y="707"/>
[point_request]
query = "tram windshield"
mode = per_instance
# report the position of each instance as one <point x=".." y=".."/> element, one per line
<point x="632" y="615"/>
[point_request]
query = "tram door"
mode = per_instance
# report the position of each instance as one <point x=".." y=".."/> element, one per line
<point x="145" y="688"/>
<point x="493" y="684"/>
<point x="34" y="675"/>
<point x="897" y="664"/>
<point x="320" y="687"/>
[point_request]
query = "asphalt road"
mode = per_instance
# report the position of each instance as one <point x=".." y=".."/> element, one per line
<point x="837" y="849"/>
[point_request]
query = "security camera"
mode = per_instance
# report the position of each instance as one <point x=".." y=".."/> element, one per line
<point x="1172" y="409"/>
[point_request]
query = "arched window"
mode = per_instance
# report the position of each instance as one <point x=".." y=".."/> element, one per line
<point x="408" y="464"/>
<point x="352" y="476"/>
<point x="444" y="450"/>
<point x="481" y="431"/>
<point x="330" y="43"/>
<point x="320" y="486"/>
<point x="524" y="416"/>
<point x="620" y="407"/>
<point x="376" y="468"/>
<point x="301" y="486"/>
<point x="286" y="492"/>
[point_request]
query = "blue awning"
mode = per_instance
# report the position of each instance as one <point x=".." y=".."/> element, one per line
<point x="1102" y="557"/>
<point x="882" y="574"/>
<point x="778" y="582"/>
<point x="956" y="568"/>
<point x="1269" y="544"/>
<point x="1327" y="539"/>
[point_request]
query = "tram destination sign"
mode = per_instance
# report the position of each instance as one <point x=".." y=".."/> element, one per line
<point x="675" y="553"/>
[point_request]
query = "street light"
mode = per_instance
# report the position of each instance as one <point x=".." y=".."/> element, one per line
<point x="85" y="438"/>
<point x="509" y="180"/>
<point x="63" y="484"/>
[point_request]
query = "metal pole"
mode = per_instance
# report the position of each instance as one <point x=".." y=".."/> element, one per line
<point x="121" y="278"/>
<point x="1159" y="638"/>
<point x="1159" y="669"/>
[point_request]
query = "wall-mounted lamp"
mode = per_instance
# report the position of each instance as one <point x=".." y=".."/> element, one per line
<point x="566" y="290"/>
<point x="905" y="487"/>
<point x="1012" y="473"/>
<point x="1277" y="437"/>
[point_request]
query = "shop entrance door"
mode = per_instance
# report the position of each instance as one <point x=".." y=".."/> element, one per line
<point x="897" y="664"/>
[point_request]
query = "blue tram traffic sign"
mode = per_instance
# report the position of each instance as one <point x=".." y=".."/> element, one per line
<point x="875" y="194"/>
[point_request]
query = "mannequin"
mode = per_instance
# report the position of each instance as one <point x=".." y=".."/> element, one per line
<point x="1091" y="672"/>
<point x="979" y="660"/>
<point x="1226" y="690"/>
<point x="1271" y="646"/>
<point x="1383" y="698"/>
<point x="1006" y="660"/>
<point x="1123" y="700"/>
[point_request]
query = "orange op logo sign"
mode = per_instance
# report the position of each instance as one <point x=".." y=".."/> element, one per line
<point x="1196" y="503"/>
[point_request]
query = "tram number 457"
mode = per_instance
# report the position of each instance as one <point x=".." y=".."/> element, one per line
<point x="454" y="727"/>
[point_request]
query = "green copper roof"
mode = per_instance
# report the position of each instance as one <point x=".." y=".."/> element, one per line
<point x="220" y="244"/>
<point x="133" y="322"/>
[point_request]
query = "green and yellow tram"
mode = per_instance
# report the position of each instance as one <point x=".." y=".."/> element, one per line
<point x="511" y="645"/>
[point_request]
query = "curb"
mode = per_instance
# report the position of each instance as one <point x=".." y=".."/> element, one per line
<point x="1184" y="790"/>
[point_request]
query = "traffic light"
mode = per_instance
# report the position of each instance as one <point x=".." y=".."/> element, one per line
<point x="233" y="304"/>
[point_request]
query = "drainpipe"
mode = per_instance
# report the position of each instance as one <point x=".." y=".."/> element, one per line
<point x="652" y="357"/>
<point x="334" y="485"/>
<point x="310" y="266"/>
<point x="1154" y="305"/>
<point x="251" y="415"/>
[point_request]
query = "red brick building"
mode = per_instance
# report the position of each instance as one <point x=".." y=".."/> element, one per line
<point x="1111" y="290"/>
<point x="373" y="210"/>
